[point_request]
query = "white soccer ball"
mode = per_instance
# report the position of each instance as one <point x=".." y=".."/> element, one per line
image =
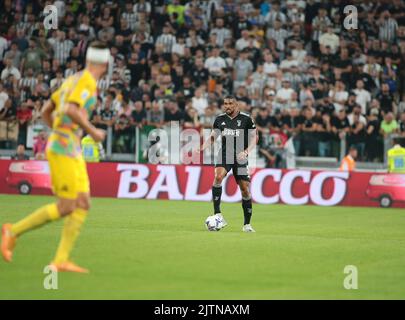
<point x="213" y="223"/>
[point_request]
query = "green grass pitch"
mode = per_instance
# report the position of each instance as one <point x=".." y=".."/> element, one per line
<point x="144" y="249"/>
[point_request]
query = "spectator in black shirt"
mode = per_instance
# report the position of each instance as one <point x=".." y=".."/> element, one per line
<point x="191" y="119"/>
<point x="123" y="135"/>
<point x="20" y="153"/>
<point x="368" y="81"/>
<point x="343" y="65"/>
<point x="324" y="134"/>
<point x="357" y="136"/>
<point x="187" y="89"/>
<point x="308" y="141"/>
<point x="276" y="121"/>
<point x="386" y="100"/>
<point x="137" y="69"/>
<point x="340" y="128"/>
<point x="105" y="118"/>
<point x="173" y="113"/>
<point x="239" y="24"/>
<point x="326" y="106"/>
<point x="199" y="74"/>
<point x="351" y="102"/>
<point x="262" y="123"/>
<point x="138" y="115"/>
<point x="373" y="139"/>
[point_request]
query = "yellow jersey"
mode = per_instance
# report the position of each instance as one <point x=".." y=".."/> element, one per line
<point x="91" y="149"/>
<point x="80" y="89"/>
<point x="396" y="160"/>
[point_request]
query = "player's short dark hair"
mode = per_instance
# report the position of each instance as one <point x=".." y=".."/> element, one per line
<point x="229" y="97"/>
<point x="98" y="45"/>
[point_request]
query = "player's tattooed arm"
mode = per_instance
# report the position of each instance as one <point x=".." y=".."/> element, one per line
<point x="47" y="111"/>
<point x="73" y="112"/>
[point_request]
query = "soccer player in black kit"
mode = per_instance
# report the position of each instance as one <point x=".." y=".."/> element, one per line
<point x="238" y="139"/>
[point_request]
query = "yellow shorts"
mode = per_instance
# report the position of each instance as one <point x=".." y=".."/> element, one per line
<point x="68" y="175"/>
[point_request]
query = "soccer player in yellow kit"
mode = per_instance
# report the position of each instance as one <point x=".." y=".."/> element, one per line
<point x="67" y="112"/>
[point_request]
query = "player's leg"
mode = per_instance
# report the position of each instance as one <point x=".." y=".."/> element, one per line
<point x="40" y="217"/>
<point x="220" y="174"/>
<point x="243" y="180"/>
<point x="70" y="233"/>
<point x="73" y="223"/>
<point x="63" y="184"/>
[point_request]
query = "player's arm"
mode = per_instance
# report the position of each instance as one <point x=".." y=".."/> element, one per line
<point x="253" y="138"/>
<point x="207" y="143"/>
<point x="47" y="111"/>
<point x="73" y="112"/>
<point x="74" y="108"/>
<point x="213" y="136"/>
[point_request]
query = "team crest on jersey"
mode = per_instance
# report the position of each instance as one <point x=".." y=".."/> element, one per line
<point x="239" y="122"/>
<point x="85" y="94"/>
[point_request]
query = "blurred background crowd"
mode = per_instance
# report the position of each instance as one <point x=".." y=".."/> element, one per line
<point x="296" y="66"/>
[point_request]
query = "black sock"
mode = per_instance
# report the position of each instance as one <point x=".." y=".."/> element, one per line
<point x="247" y="210"/>
<point x="216" y="198"/>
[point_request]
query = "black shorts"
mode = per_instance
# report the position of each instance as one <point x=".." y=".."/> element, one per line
<point x="240" y="171"/>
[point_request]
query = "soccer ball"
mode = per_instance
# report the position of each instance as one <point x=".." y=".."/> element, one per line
<point x="213" y="223"/>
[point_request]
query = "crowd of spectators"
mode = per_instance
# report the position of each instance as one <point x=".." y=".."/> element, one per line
<point x="299" y="67"/>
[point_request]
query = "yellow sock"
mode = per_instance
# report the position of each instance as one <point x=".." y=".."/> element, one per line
<point x="70" y="232"/>
<point x="38" y="218"/>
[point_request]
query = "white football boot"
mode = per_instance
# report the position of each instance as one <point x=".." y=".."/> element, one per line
<point x="219" y="216"/>
<point x="248" y="228"/>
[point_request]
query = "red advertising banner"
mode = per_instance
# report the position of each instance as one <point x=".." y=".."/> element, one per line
<point x="193" y="183"/>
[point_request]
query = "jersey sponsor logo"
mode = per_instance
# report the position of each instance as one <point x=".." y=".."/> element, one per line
<point x="230" y="132"/>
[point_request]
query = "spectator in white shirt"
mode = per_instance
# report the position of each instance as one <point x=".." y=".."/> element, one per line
<point x="339" y="95"/>
<point x="179" y="47"/>
<point x="199" y="102"/>
<point x="56" y="82"/>
<point x="284" y="94"/>
<point x="215" y="63"/>
<point x="287" y="64"/>
<point x="10" y="70"/>
<point x="259" y="77"/>
<point x="356" y="111"/>
<point x="3" y="46"/>
<point x="243" y="42"/>
<point x="373" y="68"/>
<point x="270" y="68"/>
<point x="329" y="39"/>
<point x="14" y="54"/>
<point x="3" y="96"/>
<point x="299" y="53"/>
<point x="363" y="97"/>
